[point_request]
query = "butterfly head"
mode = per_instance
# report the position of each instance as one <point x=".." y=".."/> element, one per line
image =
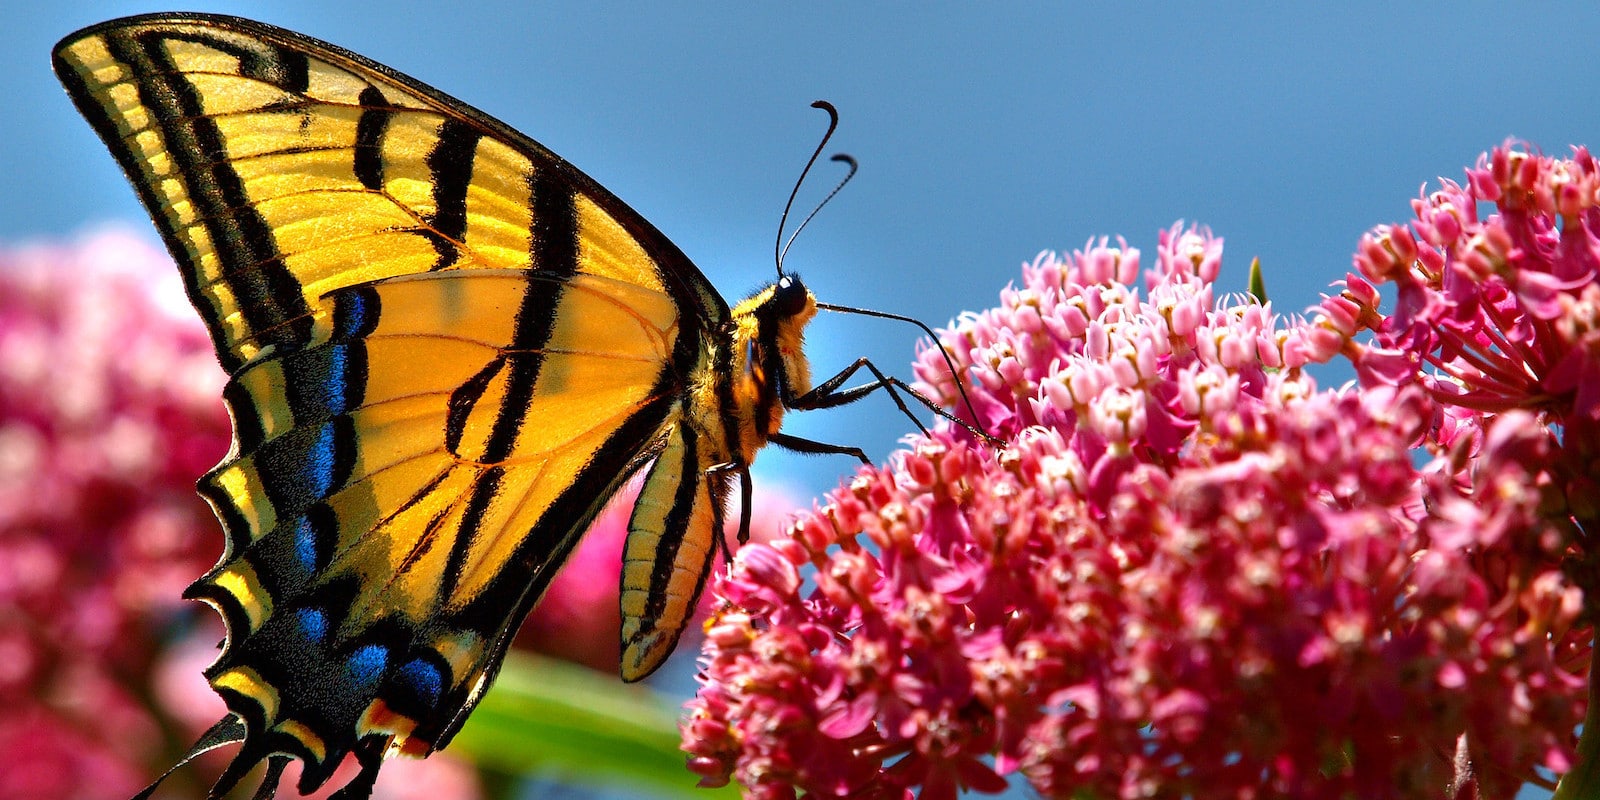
<point x="769" y="329"/>
<point x="785" y="308"/>
<point x="791" y="300"/>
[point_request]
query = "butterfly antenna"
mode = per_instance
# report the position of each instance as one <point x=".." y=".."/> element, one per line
<point x="807" y="221"/>
<point x="778" y="247"/>
<point x="975" y="427"/>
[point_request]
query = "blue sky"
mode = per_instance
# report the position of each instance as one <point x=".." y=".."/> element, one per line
<point x="985" y="133"/>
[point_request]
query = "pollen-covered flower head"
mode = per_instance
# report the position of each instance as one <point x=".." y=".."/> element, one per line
<point x="1192" y="572"/>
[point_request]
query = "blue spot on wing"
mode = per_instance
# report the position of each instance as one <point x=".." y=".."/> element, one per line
<point x="313" y="624"/>
<point x="305" y="547"/>
<point x="423" y="680"/>
<point x="365" y="666"/>
<point x="316" y="476"/>
<point x="306" y="464"/>
<point x="325" y="382"/>
<point x="355" y="313"/>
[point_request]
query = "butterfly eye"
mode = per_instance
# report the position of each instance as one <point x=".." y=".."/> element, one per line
<point x="789" y="296"/>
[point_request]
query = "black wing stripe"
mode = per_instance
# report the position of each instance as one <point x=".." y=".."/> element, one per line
<point x="370" y="128"/>
<point x="554" y="251"/>
<point x="286" y="69"/>
<point x="554" y="245"/>
<point x="450" y="164"/>
<point x="684" y="501"/>
<point x="484" y="489"/>
<point x="553" y="242"/>
<point x="267" y="293"/>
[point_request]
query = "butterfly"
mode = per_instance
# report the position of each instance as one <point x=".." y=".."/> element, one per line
<point x="448" y="349"/>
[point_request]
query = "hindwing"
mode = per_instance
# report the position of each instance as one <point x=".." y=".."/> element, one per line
<point x="403" y="490"/>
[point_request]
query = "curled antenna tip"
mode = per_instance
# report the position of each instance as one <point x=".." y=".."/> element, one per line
<point x="778" y="246"/>
<point x="840" y="157"/>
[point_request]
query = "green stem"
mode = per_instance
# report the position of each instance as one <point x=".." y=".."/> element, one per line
<point x="1584" y="779"/>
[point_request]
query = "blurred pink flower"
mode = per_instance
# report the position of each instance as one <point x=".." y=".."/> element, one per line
<point x="109" y="409"/>
<point x="1192" y="572"/>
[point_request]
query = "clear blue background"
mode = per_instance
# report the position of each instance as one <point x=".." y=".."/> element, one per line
<point x="986" y="132"/>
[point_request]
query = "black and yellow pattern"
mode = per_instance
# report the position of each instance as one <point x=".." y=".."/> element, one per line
<point x="448" y="349"/>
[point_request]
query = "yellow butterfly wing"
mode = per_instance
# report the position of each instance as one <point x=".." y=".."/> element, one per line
<point x="448" y="349"/>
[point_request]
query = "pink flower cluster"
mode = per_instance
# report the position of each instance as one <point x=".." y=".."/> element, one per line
<point x="1192" y="572"/>
<point x="1500" y="313"/>
<point x="109" y="410"/>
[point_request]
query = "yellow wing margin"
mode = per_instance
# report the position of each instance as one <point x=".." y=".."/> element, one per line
<point x="280" y="168"/>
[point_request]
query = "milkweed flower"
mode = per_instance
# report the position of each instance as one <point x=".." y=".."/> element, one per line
<point x="1192" y="571"/>
<point x="109" y="409"/>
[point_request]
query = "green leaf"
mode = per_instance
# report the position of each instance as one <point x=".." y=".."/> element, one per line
<point x="1258" y="282"/>
<point x="560" y="720"/>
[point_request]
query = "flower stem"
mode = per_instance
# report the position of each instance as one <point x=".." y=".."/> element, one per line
<point x="1584" y="778"/>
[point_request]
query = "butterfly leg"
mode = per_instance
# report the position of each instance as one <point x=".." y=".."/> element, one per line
<point x="810" y="447"/>
<point x="745" y="493"/>
<point x="827" y="394"/>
